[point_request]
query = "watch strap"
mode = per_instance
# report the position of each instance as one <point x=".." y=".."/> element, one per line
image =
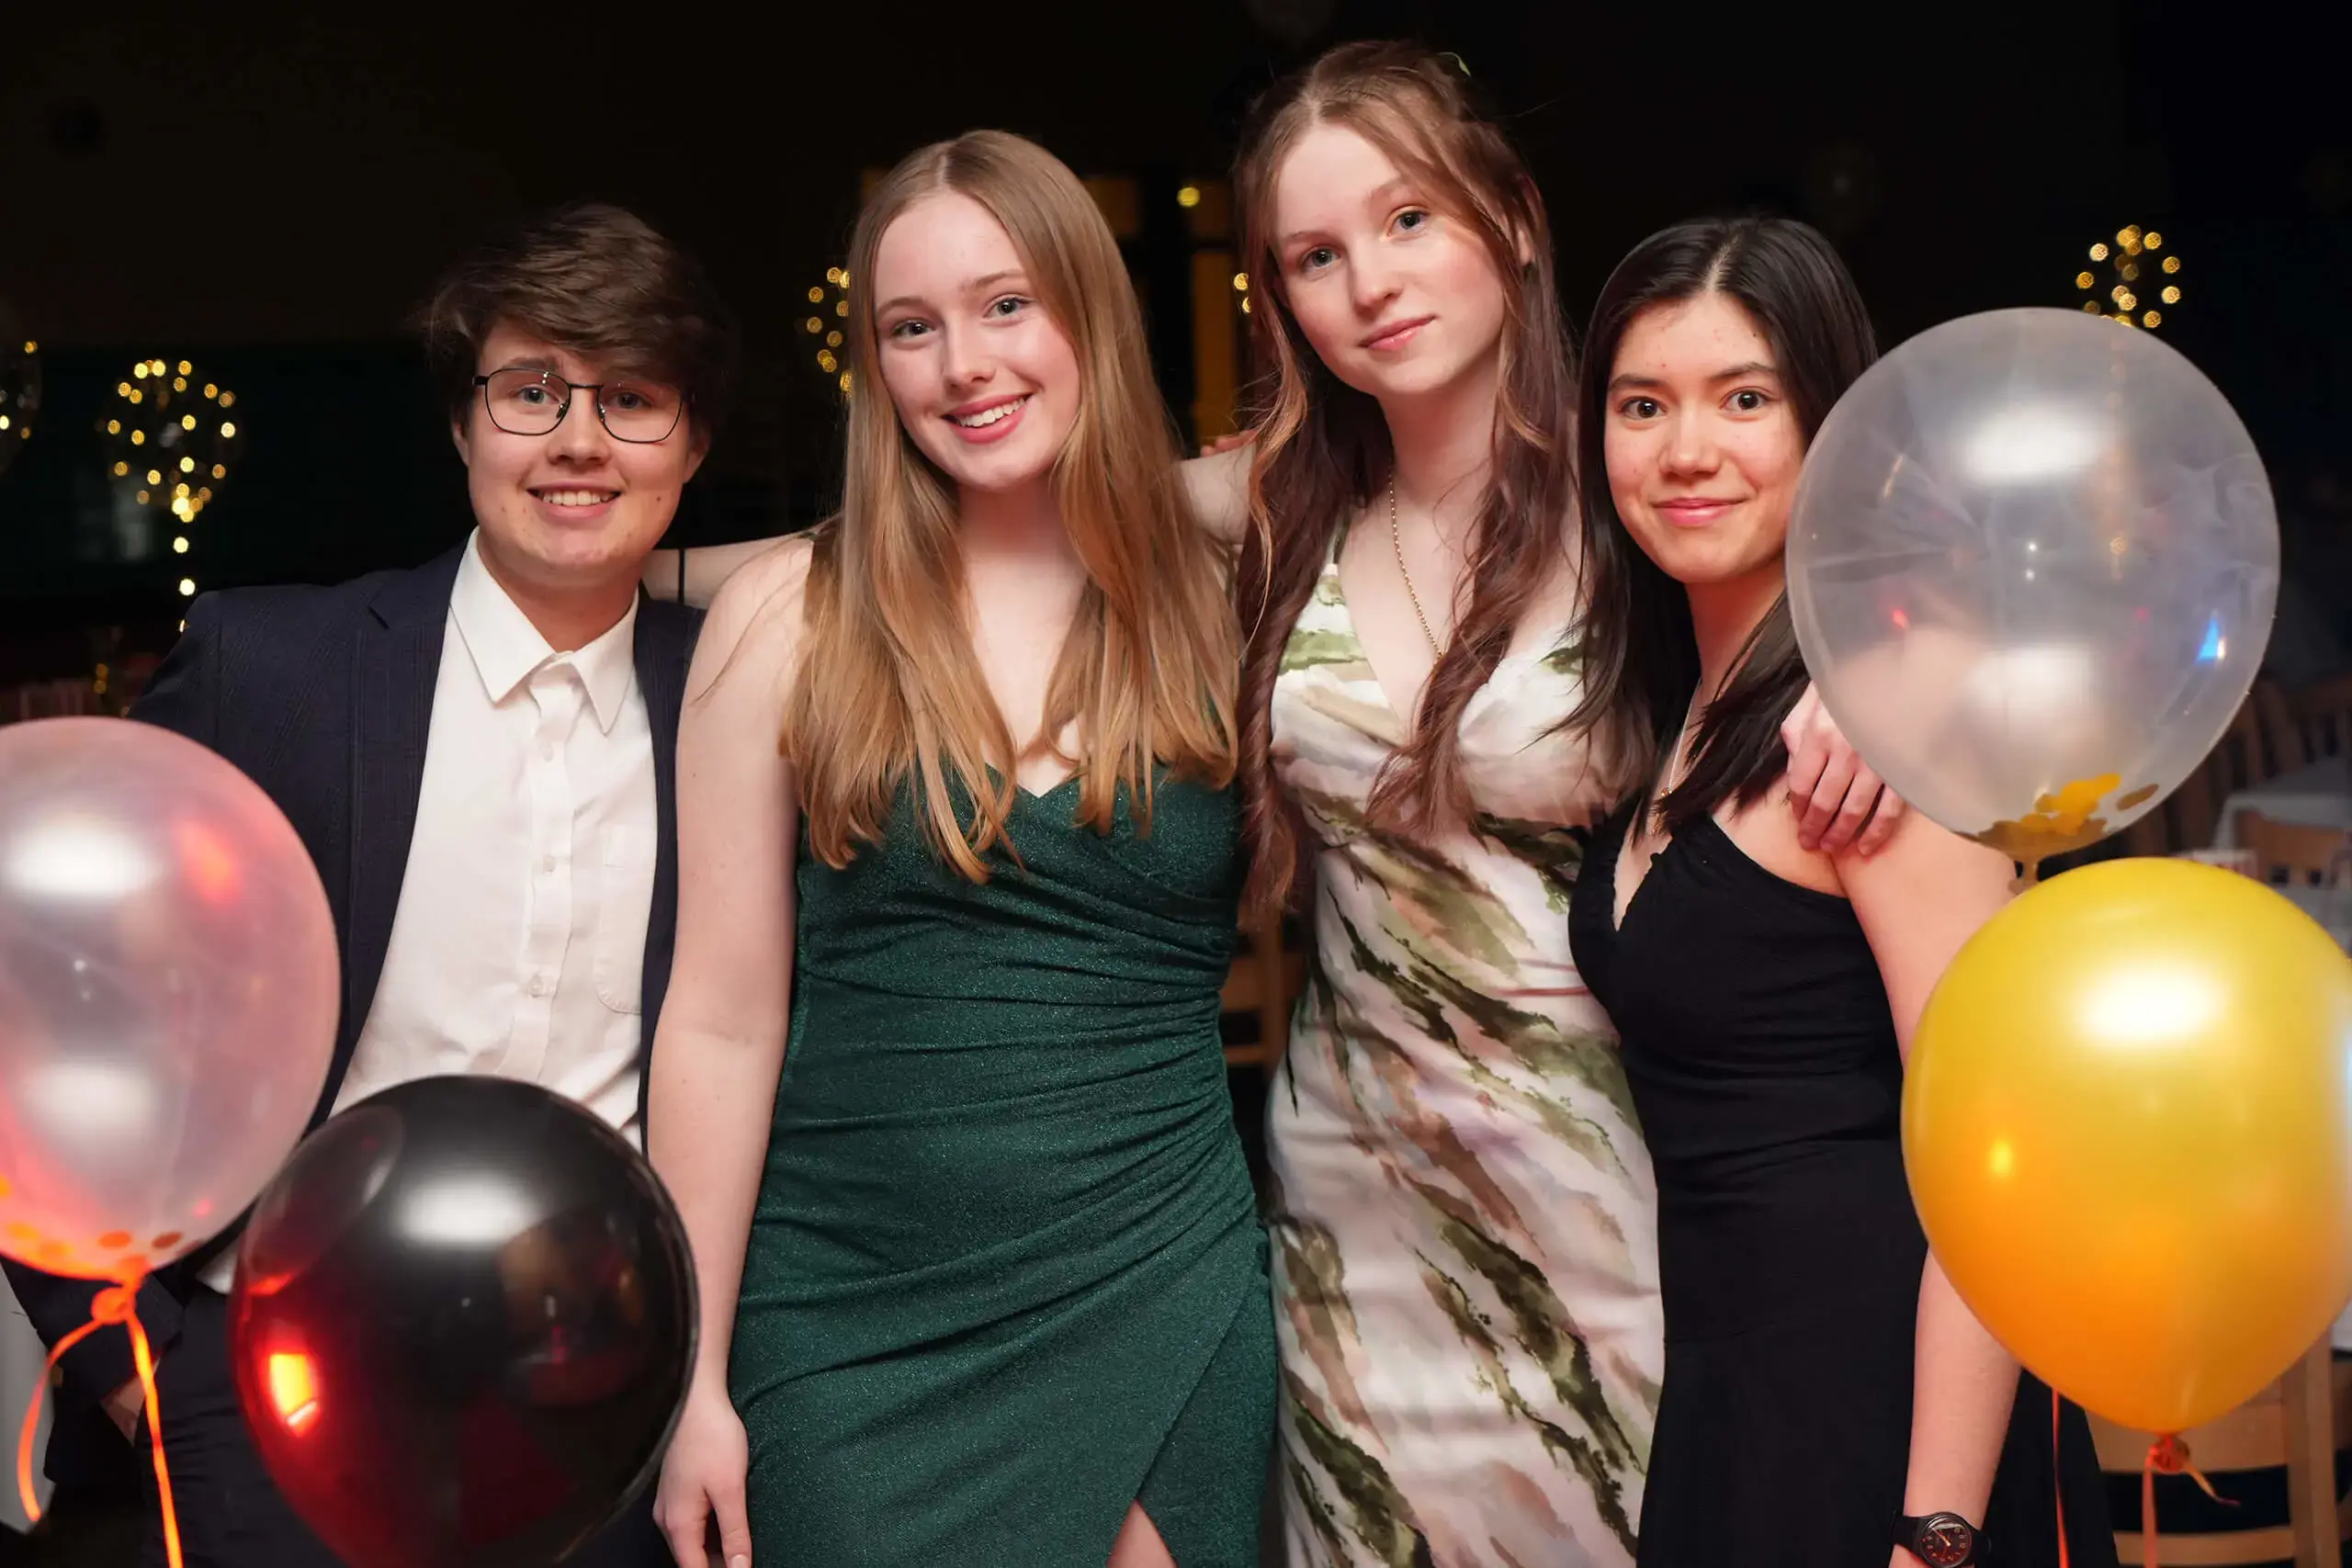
<point x="1942" y="1539"/>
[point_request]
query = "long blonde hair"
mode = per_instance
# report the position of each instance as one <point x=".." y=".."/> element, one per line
<point x="889" y="689"/>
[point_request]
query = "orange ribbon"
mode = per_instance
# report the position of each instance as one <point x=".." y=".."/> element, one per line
<point x="2058" y="1475"/>
<point x="116" y="1303"/>
<point x="2166" y="1456"/>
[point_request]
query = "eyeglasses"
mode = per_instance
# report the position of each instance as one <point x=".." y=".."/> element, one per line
<point x="534" y="402"/>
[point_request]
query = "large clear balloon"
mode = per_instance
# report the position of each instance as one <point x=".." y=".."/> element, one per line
<point x="2128" y="1124"/>
<point x="169" y="989"/>
<point x="463" y="1327"/>
<point x="2032" y="565"/>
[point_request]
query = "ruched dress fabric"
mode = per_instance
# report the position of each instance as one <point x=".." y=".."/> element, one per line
<point x="1006" y="1274"/>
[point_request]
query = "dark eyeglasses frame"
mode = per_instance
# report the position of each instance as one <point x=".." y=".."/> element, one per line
<point x="550" y="379"/>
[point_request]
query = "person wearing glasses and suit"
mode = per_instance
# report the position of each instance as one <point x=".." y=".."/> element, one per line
<point x="478" y="755"/>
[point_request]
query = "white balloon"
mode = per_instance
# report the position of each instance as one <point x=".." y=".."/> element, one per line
<point x="2032" y="565"/>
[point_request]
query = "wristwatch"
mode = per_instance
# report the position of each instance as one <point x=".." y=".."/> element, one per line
<point x="1939" y="1540"/>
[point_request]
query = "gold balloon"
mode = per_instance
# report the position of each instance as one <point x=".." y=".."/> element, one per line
<point x="2128" y="1124"/>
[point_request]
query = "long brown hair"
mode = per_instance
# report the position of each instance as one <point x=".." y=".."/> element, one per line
<point x="1641" y="662"/>
<point x="1323" y="446"/>
<point x="889" y="690"/>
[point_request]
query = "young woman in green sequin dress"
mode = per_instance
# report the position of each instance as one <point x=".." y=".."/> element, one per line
<point x="939" y="1086"/>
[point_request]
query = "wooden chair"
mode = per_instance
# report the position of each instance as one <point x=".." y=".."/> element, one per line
<point x="2292" y="854"/>
<point x="2298" y="1424"/>
<point x="2244" y="764"/>
<point x="1267" y="976"/>
<point x="2194" y="810"/>
<point x="2150" y="835"/>
<point x="2325" y="709"/>
<point x="2282" y="731"/>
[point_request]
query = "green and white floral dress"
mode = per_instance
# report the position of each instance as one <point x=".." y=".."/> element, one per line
<point x="1466" y="1266"/>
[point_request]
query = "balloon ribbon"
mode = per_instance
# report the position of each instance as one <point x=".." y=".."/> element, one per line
<point x="2058" y="1475"/>
<point x="2166" y="1456"/>
<point x="116" y="1303"/>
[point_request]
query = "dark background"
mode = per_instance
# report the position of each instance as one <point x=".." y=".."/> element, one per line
<point x="265" y="193"/>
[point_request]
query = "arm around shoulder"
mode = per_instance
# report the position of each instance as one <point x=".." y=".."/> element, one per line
<point x="695" y="576"/>
<point x="1218" y="488"/>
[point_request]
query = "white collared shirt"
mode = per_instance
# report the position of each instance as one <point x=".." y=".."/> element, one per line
<point x="519" y="942"/>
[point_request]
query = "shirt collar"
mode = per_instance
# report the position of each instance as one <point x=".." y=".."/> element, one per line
<point x="508" y="649"/>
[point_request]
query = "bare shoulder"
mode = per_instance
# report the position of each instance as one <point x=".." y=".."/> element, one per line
<point x="755" y="624"/>
<point x="774" y="580"/>
<point x="1217" y="488"/>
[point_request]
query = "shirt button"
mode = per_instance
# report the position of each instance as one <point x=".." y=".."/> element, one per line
<point x="547" y="751"/>
<point x="547" y="864"/>
<point x="538" y="985"/>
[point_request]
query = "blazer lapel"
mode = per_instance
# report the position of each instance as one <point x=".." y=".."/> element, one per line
<point x="665" y="634"/>
<point x="396" y="667"/>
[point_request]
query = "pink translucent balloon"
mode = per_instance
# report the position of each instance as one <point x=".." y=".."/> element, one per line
<point x="169" y="989"/>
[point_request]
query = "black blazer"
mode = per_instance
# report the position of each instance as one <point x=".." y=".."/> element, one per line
<point x="323" y="697"/>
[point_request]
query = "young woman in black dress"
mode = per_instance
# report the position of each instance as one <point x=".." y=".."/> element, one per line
<point x="1829" y="1402"/>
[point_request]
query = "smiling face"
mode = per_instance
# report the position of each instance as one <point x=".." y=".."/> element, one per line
<point x="982" y="377"/>
<point x="1399" y="297"/>
<point x="1703" y="445"/>
<point x="573" y="513"/>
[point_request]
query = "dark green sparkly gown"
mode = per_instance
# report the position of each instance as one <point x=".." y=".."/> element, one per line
<point x="1006" y="1274"/>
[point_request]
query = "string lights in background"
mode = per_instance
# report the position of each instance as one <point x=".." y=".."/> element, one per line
<point x="172" y="438"/>
<point x="2140" y="283"/>
<point x="19" y="387"/>
<point x="828" y="316"/>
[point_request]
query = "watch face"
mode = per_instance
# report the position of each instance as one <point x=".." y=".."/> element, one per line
<point x="1944" y="1541"/>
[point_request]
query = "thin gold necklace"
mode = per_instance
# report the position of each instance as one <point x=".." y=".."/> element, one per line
<point x="1396" y="539"/>
<point x="1678" y="762"/>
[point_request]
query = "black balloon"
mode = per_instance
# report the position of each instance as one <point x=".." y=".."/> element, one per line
<point x="464" y="1324"/>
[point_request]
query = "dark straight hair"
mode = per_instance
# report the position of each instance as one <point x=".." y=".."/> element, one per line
<point x="1641" y="658"/>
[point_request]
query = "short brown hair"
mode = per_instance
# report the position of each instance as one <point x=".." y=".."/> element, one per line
<point x="592" y="278"/>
